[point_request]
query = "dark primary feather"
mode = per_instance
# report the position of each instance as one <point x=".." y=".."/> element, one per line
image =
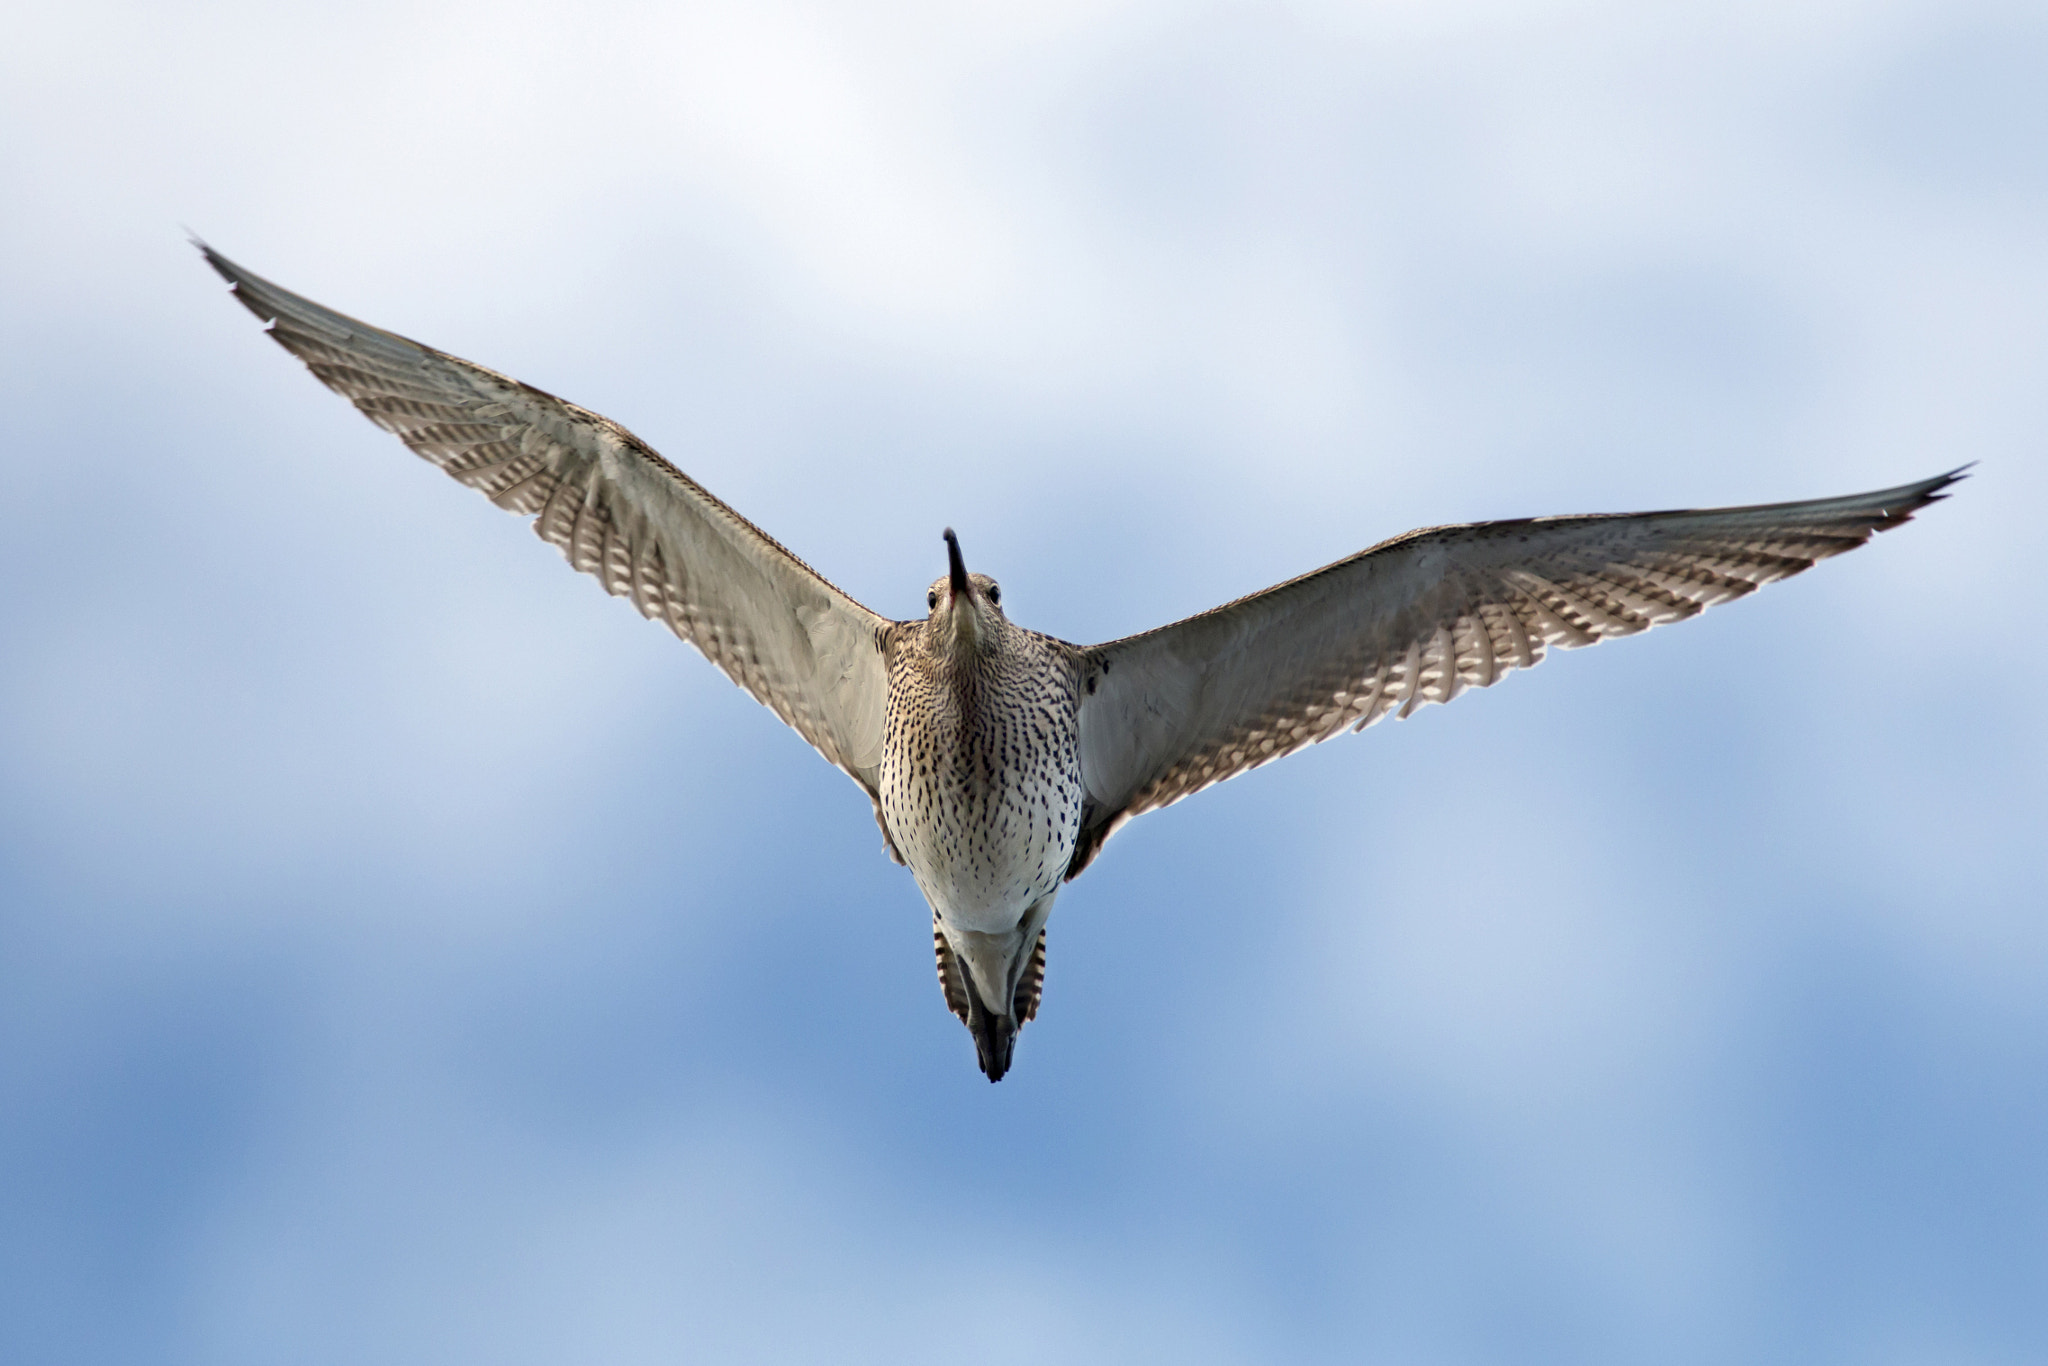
<point x="1419" y="619"/>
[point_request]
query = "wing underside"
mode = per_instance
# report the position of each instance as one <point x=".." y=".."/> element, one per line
<point x="1421" y="619"/>
<point x="618" y="512"/>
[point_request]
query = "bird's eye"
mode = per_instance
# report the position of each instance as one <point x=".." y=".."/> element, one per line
<point x="995" y="594"/>
<point x="931" y="600"/>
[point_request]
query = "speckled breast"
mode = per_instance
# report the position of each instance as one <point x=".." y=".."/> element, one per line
<point x="981" y="785"/>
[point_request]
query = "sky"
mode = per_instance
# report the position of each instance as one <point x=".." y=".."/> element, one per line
<point x="409" y="955"/>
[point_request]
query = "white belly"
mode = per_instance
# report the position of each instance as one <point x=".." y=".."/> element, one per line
<point x="984" y="841"/>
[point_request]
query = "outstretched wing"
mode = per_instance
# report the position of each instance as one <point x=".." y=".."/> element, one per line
<point x="1420" y="619"/>
<point x="617" y="511"/>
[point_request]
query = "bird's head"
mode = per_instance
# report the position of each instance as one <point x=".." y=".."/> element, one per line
<point x="966" y="609"/>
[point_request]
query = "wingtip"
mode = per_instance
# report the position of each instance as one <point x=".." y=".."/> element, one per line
<point x="220" y="263"/>
<point x="1899" y="504"/>
<point x="236" y="277"/>
<point x="1937" y="487"/>
<point x="266" y="300"/>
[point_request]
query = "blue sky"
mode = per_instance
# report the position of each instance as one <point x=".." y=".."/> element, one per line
<point x="407" y="954"/>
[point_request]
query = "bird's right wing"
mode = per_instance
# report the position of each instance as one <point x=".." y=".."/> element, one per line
<point x="617" y="511"/>
<point x="1420" y="619"/>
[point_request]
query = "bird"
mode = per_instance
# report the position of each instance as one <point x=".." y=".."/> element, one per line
<point x="998" y="759"/>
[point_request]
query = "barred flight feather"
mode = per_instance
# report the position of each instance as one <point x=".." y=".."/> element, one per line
<point x="1031" y="985"/>
<point x="952" y="981"/>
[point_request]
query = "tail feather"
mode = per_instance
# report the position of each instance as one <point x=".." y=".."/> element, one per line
<point x="995" y="1034"/>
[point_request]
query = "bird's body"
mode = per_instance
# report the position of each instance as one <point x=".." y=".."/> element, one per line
<point x="981" y="793"/>
<point x="998" y="760"/>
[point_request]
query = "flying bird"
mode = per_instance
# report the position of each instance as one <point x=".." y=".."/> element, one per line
<point x="998" y="759"/>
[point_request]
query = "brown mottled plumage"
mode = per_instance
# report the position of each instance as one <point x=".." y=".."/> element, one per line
<point x="982" y="793"/>
<point x="998" y="760"/>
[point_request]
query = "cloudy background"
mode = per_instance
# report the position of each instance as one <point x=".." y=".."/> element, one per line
<point x="409" y="955"/>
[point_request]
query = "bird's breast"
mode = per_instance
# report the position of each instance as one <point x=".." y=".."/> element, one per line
<point x="981" y="787"/>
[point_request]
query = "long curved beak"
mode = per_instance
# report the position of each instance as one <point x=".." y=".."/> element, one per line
<point x="957" y="565"/>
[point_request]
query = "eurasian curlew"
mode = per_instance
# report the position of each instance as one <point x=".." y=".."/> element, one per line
<point x="998" y="760"/>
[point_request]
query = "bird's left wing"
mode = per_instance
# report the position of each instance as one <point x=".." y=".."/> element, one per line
<point x="617" y="511"/>
<point x="1420" y="619"/>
